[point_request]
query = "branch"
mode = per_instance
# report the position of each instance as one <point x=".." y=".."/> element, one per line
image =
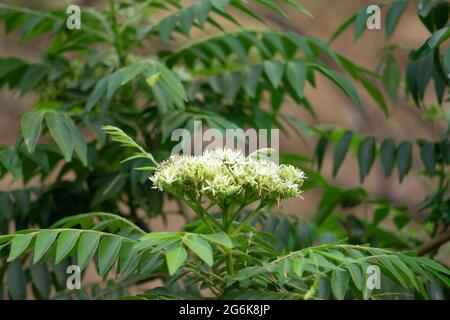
<point x="435" y="243"/>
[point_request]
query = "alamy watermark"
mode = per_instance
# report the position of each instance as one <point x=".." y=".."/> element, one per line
<point x="74" y="280"/>
<point x="73" y="21"/>
<point x="373" y="280"/>
<point x="247" y="141"/>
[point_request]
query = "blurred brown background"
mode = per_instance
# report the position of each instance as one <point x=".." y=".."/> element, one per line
<point x="330" y="104"/>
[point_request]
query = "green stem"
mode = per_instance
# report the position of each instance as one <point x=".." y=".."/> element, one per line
<point x="247" y="219"/>
<point x="230" y="267"/>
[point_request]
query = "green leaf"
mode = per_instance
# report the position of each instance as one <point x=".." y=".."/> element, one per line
<point x="339" y="283"/>
<point x="31" y="124"/>
<point x="220" y="238"/>
<point x="124" y="75"/>
<point x="97" y="93"/>
<point x="391" y="78"/>
<point x="186" y="19"/>
<point x="17" y="281"/>
<point x="418" y="76"/>
<point x="393" y="16"/>
<point x="166" y="27"/>
<point x="127" y="257"/>
<point x="296" y="74"/>
<point x="432" y="42"/>
<point x="340" y="80"/>
<point x="175" y="258"/>
<point x="376" y="94"/>
<point x="44" y="241"/>
<point x="329" y="200"/>
<point x="7" y="206"/>
<point x="41" y="280"/>
<point x="366" y="157"/>
<point x="108" y="251"/>
<point x="61" y="134"/>
<point x="12" y="162"/>
<point x="388" y="155"/>
<point x="251" y="76"/>
<point x="446" y="62"/>
<point x="428" y="157"/>
<point x="356" y="274"/>
<point x="342" y="27"/>
<point x="341" y="150"/>
<point x="31" y="78"/>
<point x="404" y="159"/>
<point x="274" y="71"/>
<point x="201" y="248"/>
<point x="65" y="243"/>
<point x="360" y="23"/>
<point x="77" y="138"/>
<point x="380" y="214"/>
<point x="87" y="245"/>
<point x="320" y="150"/>
<point x="19" y="244"/>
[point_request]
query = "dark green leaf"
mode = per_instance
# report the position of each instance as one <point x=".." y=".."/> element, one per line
<point x="427" y="156"/>
<point x="17" y="283"/>
<point x="366" y="157"/>
<point x="108" y="251"/>
<point x="388" y="155"/>
<point x="341" y="150"/>
<point x="393" y="16"/>
<point x="404" y="159"/>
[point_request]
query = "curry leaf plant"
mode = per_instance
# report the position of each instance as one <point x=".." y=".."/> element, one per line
<point x="136" y="71"/>
<point x="221" y="250"/>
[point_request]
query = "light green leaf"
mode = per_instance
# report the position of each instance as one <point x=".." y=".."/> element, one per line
<point x="175" y="258"/>
<point x="87" y="245"/>
<point x="296" y="74"/>
<point x="65" y="243"/>
<point x="44" y="241"/>
<point x="356" y="274"/>
<point x="19" y="244"/>
<point x="61" y="134"/>
<point x="31" y="125"/>
<point x="339" y="283"/>
<point x="220" y="238"/>
<point x="77" y="138"/>
<point x="201" y="248"/>
<point x="97" y="93"/>
<point x="274" y="71"/>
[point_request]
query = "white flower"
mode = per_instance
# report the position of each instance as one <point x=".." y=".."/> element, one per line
<point x="223" y="174"/>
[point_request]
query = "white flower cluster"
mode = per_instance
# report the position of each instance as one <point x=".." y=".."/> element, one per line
<point x="225" y="174"/>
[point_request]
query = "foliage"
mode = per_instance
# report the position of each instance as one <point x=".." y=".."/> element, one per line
<point x="122" y="69"/>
